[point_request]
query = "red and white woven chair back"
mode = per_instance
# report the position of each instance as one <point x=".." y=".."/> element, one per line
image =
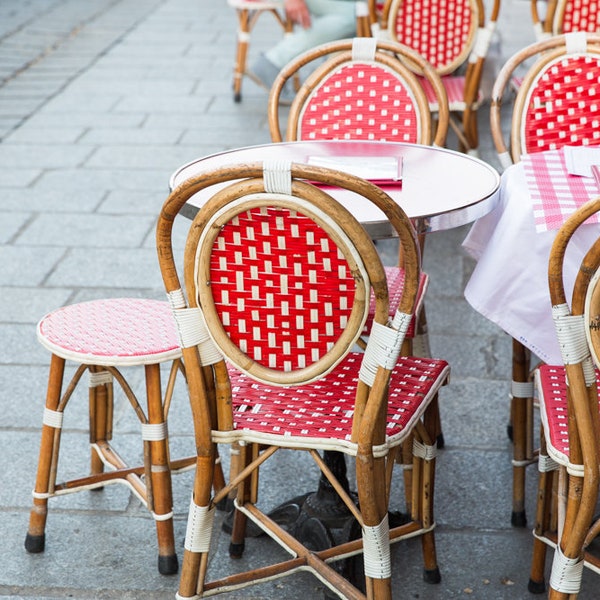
<point x="362" y="101"/>
<point x="577" y="15"/>
<point x="442" y="32"/>
<point x="562" y="103"/>
<point x="282" y="288"/>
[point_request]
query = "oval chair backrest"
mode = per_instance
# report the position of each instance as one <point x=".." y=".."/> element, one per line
<point x="559" y="103"/>
<point x="443" y="32"/>
<point x="577" y="15"/>
<point x="354" y="99"/>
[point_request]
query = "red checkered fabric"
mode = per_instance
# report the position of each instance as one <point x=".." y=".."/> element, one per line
<point x="282" y="290"/>
<point x="113" y="331"/>
<point x="438" y="30"/>
<point x="563" y="105"/>
<point x="581" y="15"/>
<point x="361" y="101"/>
<point x="553" y="403"/>
<point x="324" y="410"/>
<point x="555" y="194"/>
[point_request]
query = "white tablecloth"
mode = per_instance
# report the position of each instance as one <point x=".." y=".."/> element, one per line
<point x="509" y="285"/>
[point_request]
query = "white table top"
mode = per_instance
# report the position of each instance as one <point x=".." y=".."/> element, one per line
<point x="440" y="188"/>
<point x="509" y="285"/>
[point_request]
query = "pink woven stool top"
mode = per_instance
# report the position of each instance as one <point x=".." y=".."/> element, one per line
<point x="119" y="331"/>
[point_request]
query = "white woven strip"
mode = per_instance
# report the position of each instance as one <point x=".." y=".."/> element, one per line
<point x="40" y="496"/>
<point x="482" y="43"/>
<point x="192" y="332"/>
<point x="589" y="371"/>
<point x="199" y="528"/>
<point x="546" y="463"/>
<point x="521" y="389"/>
<point x="243" y="36"/>
<point x="178" y="596"/>
<point x="505" y="159"/>
<point x="98" y="378"/>
<point x="53" y="418"/>
<point x="576" y="42"/>
<point x="164" y="517"/>
<point x="154" y="432"/>
<point x="278" y="176"/>
<point x="363" y="48"/>
<point x="401" y="321"/>
<point x="176" y="299"/>
<point x="383" y="349"/>
<point x="423" y="451"/>
<point x="362" y="9"/>
<point x="570" y="330"/>
<point x="566" y="573"/>
<point x="376" y="544"/>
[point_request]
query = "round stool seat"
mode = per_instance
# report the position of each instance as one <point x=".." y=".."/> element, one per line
<point x="114" y="331"/>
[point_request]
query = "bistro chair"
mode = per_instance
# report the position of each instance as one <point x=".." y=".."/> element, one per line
<point x="566" y="515"/>
<point x="366" y="89"/>
<point x="565" y="16"/>
<point x="554" y="106"/>
<point x="455" y="38"/>
<point x="104" y="338"/>
<point x="248" y="12"/>
<point x="278" y="277"/>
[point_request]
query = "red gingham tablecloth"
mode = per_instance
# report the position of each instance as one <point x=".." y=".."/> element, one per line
<point x="555" y="193"/>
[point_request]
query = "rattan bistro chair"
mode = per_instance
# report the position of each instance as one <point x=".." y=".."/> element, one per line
<point x="554" y="106"/>
<point x="455" y="38"/>
<point x="248" y="12"/>
<point x="360" y="89"/>
<point x="278" y="278"/>
<point x="570" y="444"/>
<point x="105" y="337"/>
<point x="565" y="16"/>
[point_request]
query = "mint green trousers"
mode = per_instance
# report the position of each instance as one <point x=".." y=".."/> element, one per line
<point x="330" y="20"/>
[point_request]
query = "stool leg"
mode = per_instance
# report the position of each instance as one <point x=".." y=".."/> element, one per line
<point x="101" y="411"/>
<point x="46" y="471"/>
<point x="158" y="481"/>
<point x="241" y="52"/>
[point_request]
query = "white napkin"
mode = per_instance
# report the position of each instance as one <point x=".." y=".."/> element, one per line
<point x="372" y="168"/>
<point x="581" y="159"/>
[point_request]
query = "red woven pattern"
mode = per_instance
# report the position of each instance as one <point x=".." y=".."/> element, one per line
<point x="325" y="409"/>
<point x="581" y="15"/>
<point x="360" y="101"/>
<point x="554" y="390"/>
<point x="283" y="291"/>
<point x="563" y="107"/>
<point x="436" y="29"/>
<point x="115" y="327"/>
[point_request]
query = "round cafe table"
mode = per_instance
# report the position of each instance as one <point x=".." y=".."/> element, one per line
<point x="440" y="189"/>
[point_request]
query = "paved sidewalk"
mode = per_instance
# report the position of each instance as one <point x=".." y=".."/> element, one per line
<point x="100" y="101"/>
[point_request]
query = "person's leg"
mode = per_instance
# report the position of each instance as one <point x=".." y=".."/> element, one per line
<point x="331" y="20"/>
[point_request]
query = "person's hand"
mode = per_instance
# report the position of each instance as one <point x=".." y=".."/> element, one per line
<point x="298" y="12"/>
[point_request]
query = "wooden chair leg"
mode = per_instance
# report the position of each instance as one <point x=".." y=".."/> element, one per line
<point x="522" y="392"/>
<point x="100" y="414"/>
<point x="160" y="500"/>
<point x="241" y="52"/>
<point x="46" y="471"/>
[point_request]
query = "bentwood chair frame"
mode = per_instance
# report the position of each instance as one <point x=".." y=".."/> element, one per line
<point x="248" y="12"/>
<point x="458" y="54"/>
<point x="570" y="444"/>
<point x="537" y="125"/>
<point x="219" y="417"/>
<point x="104" y="338"/>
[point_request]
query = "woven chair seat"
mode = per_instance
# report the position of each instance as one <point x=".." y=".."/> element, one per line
<point x="111" y="332"/>
<point x="553" y="407"/>
<point x="455" y="89"/>
<point x="320" y="415"/>
<point x="256" y="4"/>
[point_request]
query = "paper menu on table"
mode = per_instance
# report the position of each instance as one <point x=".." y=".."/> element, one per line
<point x="581" y="159"/>
<point x="377" y="169"/>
